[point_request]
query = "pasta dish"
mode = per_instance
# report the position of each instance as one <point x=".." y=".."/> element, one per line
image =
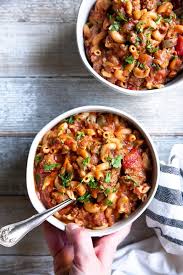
<point x="98" y="159"/>
<point x="135" y="44"/>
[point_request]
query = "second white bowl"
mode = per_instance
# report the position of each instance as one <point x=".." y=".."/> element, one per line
<point x="84" y="11"/>
<point x="38" y="205"/>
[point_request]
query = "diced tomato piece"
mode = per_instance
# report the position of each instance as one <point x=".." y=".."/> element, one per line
<point x="133" y="160"/>
<point x="160" y="75"/>
<point x="179" y="47"/>
<point x="145" y="59"/>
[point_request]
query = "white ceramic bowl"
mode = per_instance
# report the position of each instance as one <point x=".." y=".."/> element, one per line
<point x="84" y="11"/>
<point x="30" y="167"/>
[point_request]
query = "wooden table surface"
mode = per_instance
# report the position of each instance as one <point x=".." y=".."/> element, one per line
<point x="41" y="77"/>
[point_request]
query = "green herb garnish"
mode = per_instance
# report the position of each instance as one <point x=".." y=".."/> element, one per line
<point x="156" y="66"/>
<point x="139" y="26"/>
<point x="49" y="167"/>
<point x="84" y="198"/>
<point x="157" y="21"/>
<point x="141" y="65"/>
<point x="115" y="26"/>
<point x="128" y="178"/>
<point x="116" y="162"/>
<point x="66" y="178"/>
<point x="107" y="191"/>
<point x="70" y="120"/>
<point x="169" y="19"/>
<point x="38" y="158"/>
<point x="79" y="135"/>
<point x="129" y="59"/>
<point x="109" y="202"/>
<point x="121" y="17"/>
<point x="108" y="177"/>
<point x="137" y="40"/>
<point x="92" y="183"/>
<point x="38" y="178"/>
<point x="150" y="47"/>
<point x="86" y="161"/>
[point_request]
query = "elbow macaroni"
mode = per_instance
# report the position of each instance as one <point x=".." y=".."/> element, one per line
<point x="97" y="173"/>
<point x="124" y="32"/>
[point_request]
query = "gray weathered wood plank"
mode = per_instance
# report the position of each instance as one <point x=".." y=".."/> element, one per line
<point x="13" y="156"/>
<point x="39" y="50"/>
<point x="26" y="265"/>
<point x="38" y="10"/>
<point x="16" y="208"/>
<point x="28" y="104"/>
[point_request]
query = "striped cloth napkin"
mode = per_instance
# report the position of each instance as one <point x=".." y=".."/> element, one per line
<point x="165" y="213"/>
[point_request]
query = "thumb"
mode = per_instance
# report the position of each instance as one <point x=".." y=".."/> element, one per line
<point x="82" y="244"/>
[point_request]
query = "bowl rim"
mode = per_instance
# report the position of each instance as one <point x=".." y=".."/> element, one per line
<point x="33" y="196"/>
<point x="121" y="90"/>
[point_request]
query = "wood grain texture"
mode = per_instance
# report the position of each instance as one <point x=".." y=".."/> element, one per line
<point x="26" y="265"/>
<point x="28" y="49"/>
<point x="17" y="208"/>
<point x="14" y="209"/>
<point x="38" y="10"/>
<point x="28" y="104"/>
<point x="13" y="157"/>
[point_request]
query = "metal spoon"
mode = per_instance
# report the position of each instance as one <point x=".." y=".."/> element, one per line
<point x="11" y="234"/>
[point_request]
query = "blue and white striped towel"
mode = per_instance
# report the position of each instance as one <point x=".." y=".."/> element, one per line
<point x="165" y="213"/>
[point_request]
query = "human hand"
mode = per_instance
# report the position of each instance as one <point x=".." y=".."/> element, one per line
<point x="75" y="253"/>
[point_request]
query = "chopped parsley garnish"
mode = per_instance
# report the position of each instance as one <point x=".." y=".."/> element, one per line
<point x="79" y="135"/>
<point x="169" y="19"/>
<point x="38" y="158"/>
<point x="141" y="65"/>
<point x="128" y="178"/>
<point x="84" y="198"/>
<point x="86" y="161"/>
<point x="121" y="17"/>
<point x="70" y="120"/>
<point x="116" y="162"/>
<point x="156" y="66"/>
<point x="110" y="14"/>
<point x="148" y="35"/>
<point x="108" y="177"/>
<point x="175" y="57"/>
<point x="157" y="21"/>
<point x="150" y="29"/>
<point x="109" y="202"/>
<point x="92" y="183"/>
<point x="129" y="59"/>
<point x="38" y="178"/>
<point x="66" y="178"/>
<point x="114" y="190"/>
<point x="107" y="191"/>
<point x="115" y="26"/>
<point x="137" y="40"/>
<point x="150" y="47"/>
<point x="49" y="167"/>
<point x="139" y="26"/>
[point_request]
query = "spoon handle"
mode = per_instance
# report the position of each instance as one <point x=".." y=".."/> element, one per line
<point x="13" y="233"/>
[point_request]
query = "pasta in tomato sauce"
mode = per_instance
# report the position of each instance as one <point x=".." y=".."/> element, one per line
<point x="99" y="160"/>
<point x="134" y="44"/>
